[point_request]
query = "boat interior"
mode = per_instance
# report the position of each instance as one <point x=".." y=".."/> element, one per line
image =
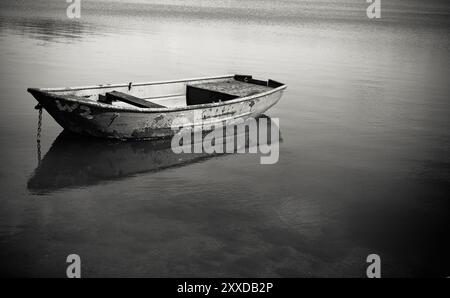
<point x="172" y="94"/>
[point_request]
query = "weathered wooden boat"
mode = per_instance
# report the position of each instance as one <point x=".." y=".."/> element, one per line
<point x="147" y="110"/>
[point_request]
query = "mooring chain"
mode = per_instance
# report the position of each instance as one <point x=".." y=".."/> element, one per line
<point x="38" y="134"/>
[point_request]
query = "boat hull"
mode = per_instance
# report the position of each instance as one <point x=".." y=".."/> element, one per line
<point x="99" y="122"/>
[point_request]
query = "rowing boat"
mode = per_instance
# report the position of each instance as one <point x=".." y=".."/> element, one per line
<point x="148" y="110"/>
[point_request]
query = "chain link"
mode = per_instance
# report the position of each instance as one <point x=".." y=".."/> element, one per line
<point x="38" y="136"/>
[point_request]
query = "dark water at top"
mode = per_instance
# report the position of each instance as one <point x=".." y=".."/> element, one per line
<point x="364" y="163"/>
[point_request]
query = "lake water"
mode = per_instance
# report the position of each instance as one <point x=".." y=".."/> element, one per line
<point x="364" y="162"/>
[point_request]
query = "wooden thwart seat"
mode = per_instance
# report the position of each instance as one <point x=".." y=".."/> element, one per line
<point x="234" y="87"/>
<point x="129" y="99"/>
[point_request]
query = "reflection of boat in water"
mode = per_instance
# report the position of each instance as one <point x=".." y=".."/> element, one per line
<point x="75" y="161"/>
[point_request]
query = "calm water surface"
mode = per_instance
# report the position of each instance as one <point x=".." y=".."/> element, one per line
<point x="364" y="163"/>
